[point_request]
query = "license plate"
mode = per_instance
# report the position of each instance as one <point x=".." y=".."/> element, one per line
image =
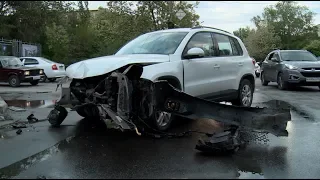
<point x="36" y="77"/>
<point x="313" y="79"/>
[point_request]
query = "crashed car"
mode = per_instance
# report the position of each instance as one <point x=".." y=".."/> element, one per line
<point x="204" y="62"/>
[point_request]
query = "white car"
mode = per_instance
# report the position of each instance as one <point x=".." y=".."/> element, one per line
<point x="52" y="70"/>
<point x="204" y="62"/>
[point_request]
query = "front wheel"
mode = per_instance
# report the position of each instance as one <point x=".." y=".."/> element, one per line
<point x="88" y="111"/>
<point x="282" y="84"/>
<point x="162" y="120"/>
<point x="245" y="94"/>
<point x="14" y="81"/>
<point x="263" y="80"/>
<point x="33" y="83"/>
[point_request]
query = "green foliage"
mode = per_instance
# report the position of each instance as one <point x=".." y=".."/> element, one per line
<point x="314" y="47"/>
<point x="69" y="32"/>
<point x="242" y="33"/>
<point x="260" y="42"/>
<point x="291" y="22"/>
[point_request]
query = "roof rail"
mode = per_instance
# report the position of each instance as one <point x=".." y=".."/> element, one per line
<point x="197" y="27"/>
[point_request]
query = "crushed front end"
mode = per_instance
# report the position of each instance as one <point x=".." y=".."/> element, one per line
<point x="130" y="101"/>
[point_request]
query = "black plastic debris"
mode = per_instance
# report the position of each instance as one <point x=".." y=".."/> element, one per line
<point x="19" y="131"/>
<point x="31" y="118"/>
<point x="18" y="126"/>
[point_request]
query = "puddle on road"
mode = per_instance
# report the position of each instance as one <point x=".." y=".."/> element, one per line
<point x="31" y="104"/>
<point x="16" y="168"/>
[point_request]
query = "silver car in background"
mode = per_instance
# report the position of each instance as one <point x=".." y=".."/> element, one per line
<point x="52" y="70"/>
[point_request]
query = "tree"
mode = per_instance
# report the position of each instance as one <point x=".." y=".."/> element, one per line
<point x="58" y="43"/>
<point x="314" y="47"/>
<point x="291" y="22"/>
<point x="242" y="33"/>
<point x="261" y="41"/>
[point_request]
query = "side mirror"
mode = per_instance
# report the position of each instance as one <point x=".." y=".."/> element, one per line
<point x="274" y="59"/>
<point x="194" y="53"/>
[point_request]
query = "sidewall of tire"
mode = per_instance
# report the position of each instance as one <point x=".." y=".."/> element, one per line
<point x="243" y="82"/>
<point x="17" y="81"/>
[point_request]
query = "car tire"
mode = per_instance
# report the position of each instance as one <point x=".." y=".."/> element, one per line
<point x="282" y="85"/>
<point x="14" y="81"/>
<point x="43" y="79"/>
<point x="245" y="94"/>
<point x="257" y="74"/>
<point x="263" y="80"/>
<point x="34" y="83"/>
<point x="52" y="79"/>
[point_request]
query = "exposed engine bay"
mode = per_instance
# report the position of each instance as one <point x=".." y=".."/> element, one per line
<point x="130" y="101"/>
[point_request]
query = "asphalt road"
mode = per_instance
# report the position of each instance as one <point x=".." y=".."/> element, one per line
<point x="93" y="151"/>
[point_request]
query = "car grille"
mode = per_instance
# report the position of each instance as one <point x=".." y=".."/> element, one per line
<point x="309" y="69"/>
<point x="311" y="74"/>
<point x="34" y="72"/>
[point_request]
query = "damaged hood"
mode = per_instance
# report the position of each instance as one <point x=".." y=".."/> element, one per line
<point x="102" y="65"/>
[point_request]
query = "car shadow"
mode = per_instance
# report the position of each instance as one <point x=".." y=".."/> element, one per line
<point x="299" y="88"/>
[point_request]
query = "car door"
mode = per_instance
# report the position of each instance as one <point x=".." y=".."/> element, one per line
<point x="231" y="63"/>
<point x="266" y="67"/>
<point x="273" y="67"/>
<point x="201" y="74"/>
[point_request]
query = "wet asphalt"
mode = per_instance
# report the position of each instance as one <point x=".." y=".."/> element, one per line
<point x="85" y="149"/>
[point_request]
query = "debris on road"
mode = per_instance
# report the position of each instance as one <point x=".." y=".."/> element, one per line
<point x="18" y="126"/>
<point x="41" y="177"/>
<point x="31" y="118"/>
<point x="129" y="101"/>
<point x="19" y="131"/>
<point x="16" y="109"/>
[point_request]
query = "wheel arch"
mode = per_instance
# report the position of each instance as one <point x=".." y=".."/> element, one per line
<point x="174" y="81"/>
<point x="249" y="77"/>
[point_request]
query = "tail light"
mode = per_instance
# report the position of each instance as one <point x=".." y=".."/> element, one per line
<point x="253" y="61"/>
<point x="54" y="67"/>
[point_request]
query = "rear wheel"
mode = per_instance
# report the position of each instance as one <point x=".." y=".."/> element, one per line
<point x="263" y="80"/>
<point x="245" y="94"/>
<point x="33" y="83"/>
<point x="52" y="79"/>
<point x="14" y="81"/>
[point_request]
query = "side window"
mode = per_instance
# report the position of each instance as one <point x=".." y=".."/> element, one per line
<point x="236" y="47"/>
<point x="29" y="61"/>
<point x="0" y="64"/>
<point x="224" y="45"/>
<point x="276" y="55"/>
<point x="204" y="41"/>
<point x="270" y="56"/>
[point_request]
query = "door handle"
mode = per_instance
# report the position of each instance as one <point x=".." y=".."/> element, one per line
<point x="240" y="64"/>
<point x="216" y="66"/>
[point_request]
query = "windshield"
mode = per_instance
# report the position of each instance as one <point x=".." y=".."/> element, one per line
<point x="298" y="56"/>
<point x="11" y="62"/>
<point x="154" y="43"/>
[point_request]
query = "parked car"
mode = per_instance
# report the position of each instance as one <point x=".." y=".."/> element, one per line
<point x="204" y="62"/>
<point x="256" y="67"/>
<point x="13" y="71"/>
<point x="291" y="67"/>
<point x="52" y="70"/>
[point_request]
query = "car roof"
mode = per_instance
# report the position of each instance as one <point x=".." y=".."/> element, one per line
<point x="196" y="29"/>
<point x="279" y="50"/>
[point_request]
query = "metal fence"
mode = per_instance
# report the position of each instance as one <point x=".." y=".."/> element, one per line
<point x="19" y="48"/>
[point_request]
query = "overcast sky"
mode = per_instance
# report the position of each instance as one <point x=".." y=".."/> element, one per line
<point x="230" y="15"/>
